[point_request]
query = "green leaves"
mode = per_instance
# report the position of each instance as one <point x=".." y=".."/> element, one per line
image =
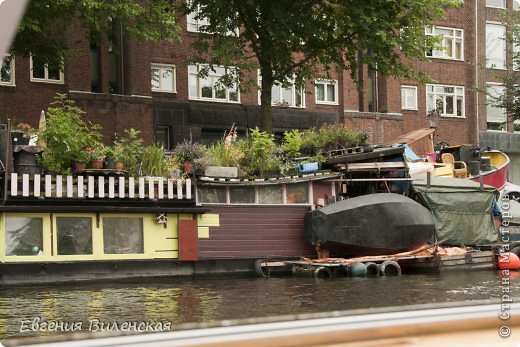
<point x="300" y="39"/>
<point x="47" y="27"/>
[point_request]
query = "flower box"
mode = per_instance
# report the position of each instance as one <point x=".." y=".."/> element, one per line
<point x="221" y="171"/>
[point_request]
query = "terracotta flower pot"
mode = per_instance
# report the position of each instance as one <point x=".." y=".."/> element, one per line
<point x="187" y="167"/>
<point x="119" y="165"/>
<point x="96" y="164"/>
<point x="79" y="166"/>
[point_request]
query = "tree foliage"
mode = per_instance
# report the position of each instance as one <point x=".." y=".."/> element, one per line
<point x="45" y="28"/>
<point x="289" y="39"/>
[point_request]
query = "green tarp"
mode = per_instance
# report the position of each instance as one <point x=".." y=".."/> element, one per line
<point x="461" y="210"/>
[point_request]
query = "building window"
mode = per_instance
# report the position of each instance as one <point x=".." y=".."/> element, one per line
<point x="451" y="45"/>
<point x="95" y="71"/>
<point x="496" y="116"/>
<point x="163" y="78"/>
<point x="211" y="87"/>
<point x="41" y="72"/>
<point x="196" y="24"/>
<point x="123" y="235"/>
<point x="162" y="136"/>
<point x="74" y="235"/>
<point x="296" y="193"/>
<point x="516" y="5"/>
<point x="7" y="71"/>
<point x="289" y="96"/>
<point x="495" y="46"/>
<point x="448" y="100"/>
<point x="242" y="195"/>
<point x="496" y="3"/>
<point x="23" y="236"/>
<point x="326" y="92"/>
<point x="409" y="97"/>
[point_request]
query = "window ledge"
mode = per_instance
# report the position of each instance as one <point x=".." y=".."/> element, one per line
<point x="7" y="85"/>
<point x="214" y="100"/>
<point x="164" y="91"/>
<point x="453" y="117"/>
<point x="36" y="80"/>
<point x="327" y="103"/>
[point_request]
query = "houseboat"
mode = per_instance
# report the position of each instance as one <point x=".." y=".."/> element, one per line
<point x="102" y="224"/>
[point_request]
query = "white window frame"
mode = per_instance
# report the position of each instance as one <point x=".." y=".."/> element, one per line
<point x="504" y="2"/>
<point x="193" y="71"/>
<point x="404" y="99"/>
<point x="458" y="91"/>
<point x="161" y="68"/>
<point x="499" y="46"/>
<point x="325" y="84"/>
<point x="10" y="83"/>
<point x="442" y="52"/>
<point x="279" y="88"/>
<point x="516" y="5"/>
<point x="282" y="187"/>
<point x="490" y="107"/>
<point x="194" y="25"/>
<point x="46" y="73"/>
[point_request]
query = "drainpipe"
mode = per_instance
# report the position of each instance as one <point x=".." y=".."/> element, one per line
<point x="122" y="59"/>
<point x="477" y="70"/>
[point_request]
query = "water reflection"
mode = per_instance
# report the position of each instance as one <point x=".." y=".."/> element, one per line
<point x="181" y="300"/>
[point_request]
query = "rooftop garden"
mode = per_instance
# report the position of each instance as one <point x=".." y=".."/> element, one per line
<point x="69" y="140"/>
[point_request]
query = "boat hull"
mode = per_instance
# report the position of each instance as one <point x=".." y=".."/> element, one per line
<point x="497" y="176"/>
<point x="374" y="224"/>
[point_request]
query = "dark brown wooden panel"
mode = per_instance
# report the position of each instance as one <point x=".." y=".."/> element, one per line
<point x="257" y="231"/>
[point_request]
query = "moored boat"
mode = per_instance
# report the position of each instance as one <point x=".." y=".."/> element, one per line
<point x="493" y="169"/>
<point x="374" y="224"/>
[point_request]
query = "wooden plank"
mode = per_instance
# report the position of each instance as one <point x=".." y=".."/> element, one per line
<point x="188" y="188"/>
<point x="111" y="187"/>
<point x="59" y="186"/>
<point x="81" y="187"/>
<point x="37" y="183"/>
<point x="151" y="188"/>
<point x="14" y="184"/>
<point x="25" y="184"/>
<point x="70" y="186"/>
<point x="141" y="187"/>
<point x="48" y="186"/>
<point x="179" y="189"/>
<point x="188" y="240"/>
<point x="160" y="188"/>
<point x="121" y="187"/>
<point x="101" y="187"/>
<point x="131" y="187"/>
<point x="170" y="188"/>
<point x="90" y="186"/>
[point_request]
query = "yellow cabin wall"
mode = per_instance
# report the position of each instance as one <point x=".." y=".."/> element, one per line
<point x="158" y="241"/>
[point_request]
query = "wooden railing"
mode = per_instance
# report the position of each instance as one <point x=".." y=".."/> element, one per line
<point x="100" y="187"/>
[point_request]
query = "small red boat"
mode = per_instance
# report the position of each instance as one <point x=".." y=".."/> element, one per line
<point x="494" y="174"/>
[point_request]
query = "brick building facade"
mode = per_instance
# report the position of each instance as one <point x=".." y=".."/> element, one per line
<point x="113" y="84"/>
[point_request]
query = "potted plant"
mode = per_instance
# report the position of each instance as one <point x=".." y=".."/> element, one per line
<point x="118" y="156"/>
<point x="80" y="160"/>
<point x="153" y="161"/>
<point x="97" y="156"/>
<point x="186" y="153"/>
<point x="22" y="134"/>
<point x="129" y="148"/>
<point x="66" y="135"/>
<point x="224" y="156"/>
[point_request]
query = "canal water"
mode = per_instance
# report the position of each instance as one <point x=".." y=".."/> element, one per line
<point x="183" y="300"/>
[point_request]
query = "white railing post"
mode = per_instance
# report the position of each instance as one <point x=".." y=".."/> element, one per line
<point x="14" y="184"/>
